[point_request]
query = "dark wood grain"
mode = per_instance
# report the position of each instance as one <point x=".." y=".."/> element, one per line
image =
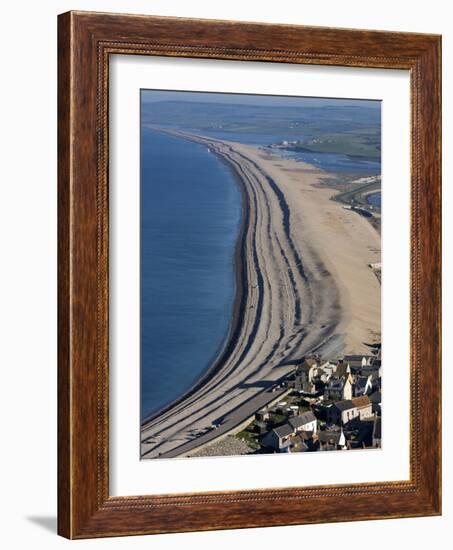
<point x="86" y="40"/>
<point x="64" y="369"/>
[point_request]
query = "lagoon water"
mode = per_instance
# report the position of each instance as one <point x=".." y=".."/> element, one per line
<point x="338" y="163"/>
<point x="190" y="220"/>
<point x="375" y="199"/>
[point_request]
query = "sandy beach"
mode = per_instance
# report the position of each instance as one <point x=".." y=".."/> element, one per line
<point x="303" y="286"/>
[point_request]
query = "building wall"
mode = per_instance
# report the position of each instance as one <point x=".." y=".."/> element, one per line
<point x="366" y="412"/>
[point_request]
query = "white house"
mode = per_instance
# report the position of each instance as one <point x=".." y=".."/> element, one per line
<point x="305" y="422"/>
<point x="342" y="412"/>
<point x="279" y="438"/>
<point x="364" y="406"/>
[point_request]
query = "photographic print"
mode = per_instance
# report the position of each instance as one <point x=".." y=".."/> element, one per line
<point x="260" y="274"/>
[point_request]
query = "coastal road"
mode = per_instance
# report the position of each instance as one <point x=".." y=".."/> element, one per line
<point x="228" y="423"/>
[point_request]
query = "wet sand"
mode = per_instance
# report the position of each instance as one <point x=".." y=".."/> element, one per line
<point x="303" y="286"/>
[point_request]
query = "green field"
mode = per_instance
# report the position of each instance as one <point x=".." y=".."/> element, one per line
<point x="364" y="144"/>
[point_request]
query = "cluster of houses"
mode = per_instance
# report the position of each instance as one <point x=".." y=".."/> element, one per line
<point x="327" y="406"/>
<point x="297" y="142"/>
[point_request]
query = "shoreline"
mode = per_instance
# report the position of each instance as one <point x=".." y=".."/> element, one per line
<point x="265" y="252"/>
<point x="238" y="306"/>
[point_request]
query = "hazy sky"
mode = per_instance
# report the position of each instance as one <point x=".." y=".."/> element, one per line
<point x="153" y="96"/>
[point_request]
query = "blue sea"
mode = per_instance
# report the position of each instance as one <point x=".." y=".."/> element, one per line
<point x="190" y="220"/>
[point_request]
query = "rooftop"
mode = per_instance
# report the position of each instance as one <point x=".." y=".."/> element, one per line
<point x="357" y="357"/>
<point x="344" y="405"/>
<point x="343" y="369"/>
<point x="302" y="419"/>
<point x="362" y="401"/>
<point x="329" y="436"/>
<point x="283" y="431"/>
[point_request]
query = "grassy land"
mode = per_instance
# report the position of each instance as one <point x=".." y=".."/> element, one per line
<point x="249" y="436"/>
<point x="358" y="192"/>
<point x="295" y="123"/>
<point x="359" y="144"/>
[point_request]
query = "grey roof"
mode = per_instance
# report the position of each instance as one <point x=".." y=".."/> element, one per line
<point x="283" y="431"/>
<point x="369" y="369"/>
<point x="300" y="420"/>
<point x="329" y="436"/>
<point x="299" y="444"/>
<point x="307" y="364"/>
<point x="344" y="405"/>
<point x="361" y="381"/>
<point x="362" y="401"/>
<point x="336" y="381"/>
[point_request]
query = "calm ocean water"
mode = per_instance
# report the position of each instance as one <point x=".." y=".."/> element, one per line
<point x="190" y="219"/>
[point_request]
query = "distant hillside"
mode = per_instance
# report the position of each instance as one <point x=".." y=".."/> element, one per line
<point x="292" y="121"/>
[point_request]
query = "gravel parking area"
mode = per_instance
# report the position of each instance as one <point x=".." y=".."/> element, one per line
<point x="228" y="446"/>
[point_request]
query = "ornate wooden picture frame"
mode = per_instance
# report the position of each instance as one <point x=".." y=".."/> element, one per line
<point x="86" y="41"/>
